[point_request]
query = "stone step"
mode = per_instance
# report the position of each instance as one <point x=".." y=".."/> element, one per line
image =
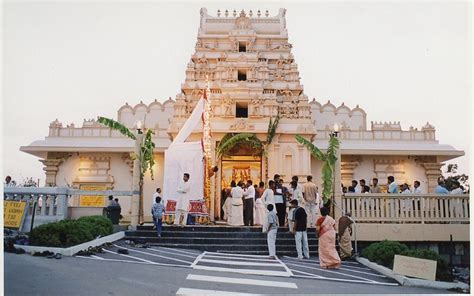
<point x="244" y="249"/>
<point x="212" y="228"/>
<point x="214" y="241"/>
<point x="209" y="234"/>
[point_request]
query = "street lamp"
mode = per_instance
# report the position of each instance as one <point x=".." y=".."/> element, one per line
<point x="137" y="180"/>
<point x="336" y="196"/>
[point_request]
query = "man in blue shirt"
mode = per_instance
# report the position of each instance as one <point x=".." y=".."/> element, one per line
<point x="392" y="186"/>
<point x="440" y="189"/>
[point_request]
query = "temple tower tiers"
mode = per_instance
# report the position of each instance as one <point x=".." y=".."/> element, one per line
<point x="253" y="76"/>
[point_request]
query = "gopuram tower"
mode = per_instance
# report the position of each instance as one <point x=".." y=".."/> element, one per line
<point x="253" y="77"/>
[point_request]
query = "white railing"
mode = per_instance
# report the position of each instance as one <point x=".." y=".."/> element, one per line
<point x="407" y="208"/>
<point x="51" y="202"/>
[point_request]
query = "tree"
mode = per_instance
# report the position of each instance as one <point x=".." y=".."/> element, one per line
<point x="451" y="177"/>
<point x="329" y="160"/>
<point x="145" y="157"/>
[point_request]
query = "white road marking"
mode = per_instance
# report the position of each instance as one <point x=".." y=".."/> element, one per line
<point x="241" y="281"/>
<point x="332" y="271"/>
<point x="226" y="262"/>
<point x="284" y="265"/>
<point x="239" y="255"/>
<point x="186" y="291"/>
<point x="154" y="255"/>
<point x="317" y="277"/>
<point x="197" y="259"/>
<point x="135" y="262"/>
<point x="97" y="257"/>
<point x="341" y="268"/>
<point x="237" y="258"/>
<point x="244" y="271"/>
<point x="171" y="253"/>
<point x="312" y="263"/>
<point x="180" y="251"/>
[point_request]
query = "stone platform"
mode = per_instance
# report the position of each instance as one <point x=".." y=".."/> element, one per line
<point x="216" y="238"/>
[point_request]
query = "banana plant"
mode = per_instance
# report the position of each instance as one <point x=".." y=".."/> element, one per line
<point x="145" y="157"/>
<point x="329" y="160"/>
<point x="272" y="127"/>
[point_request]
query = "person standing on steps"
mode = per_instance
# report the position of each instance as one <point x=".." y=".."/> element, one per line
<point x="155" y="195"/>
<point x="299" y="218"/>
<point x="182" y="203"/>
<point x="279" y="200"/>
<point x="157" y="210"/>
<point x="311" y="201"/>
<point x="249" y="200"/>
<point x="272" y="231"/>
<point x="236" y="216"/>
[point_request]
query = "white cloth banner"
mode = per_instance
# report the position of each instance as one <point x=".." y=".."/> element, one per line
<point x="179" y="159"/>
<point x="191" y="123"/>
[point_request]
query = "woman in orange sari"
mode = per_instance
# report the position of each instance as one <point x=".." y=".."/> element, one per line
<point x="326" y="230"/>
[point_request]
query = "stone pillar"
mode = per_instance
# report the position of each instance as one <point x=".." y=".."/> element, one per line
<point x="135" y="202"/>
<point x="433" y="172"/>
<point x="51" y="168"/>
<point x="337" y="185"/>
<point x="347" y="171"/>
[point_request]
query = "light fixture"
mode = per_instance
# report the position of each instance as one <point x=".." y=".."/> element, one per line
<point x="335" y="131"/>
<point x="139" y="126"/>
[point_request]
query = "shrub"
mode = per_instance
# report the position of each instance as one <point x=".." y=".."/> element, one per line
<point x="442" y="267"/>
<point x="61" y="234"/>
<point x="98" y="225"/>
<point x="67" y="233"/>
<point x="383" y="252"/>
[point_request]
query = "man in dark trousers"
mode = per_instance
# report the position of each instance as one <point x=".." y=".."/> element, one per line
<point x="249" y="198"/>
<point x="279" y="201"/>
<point x="301" y="236"/>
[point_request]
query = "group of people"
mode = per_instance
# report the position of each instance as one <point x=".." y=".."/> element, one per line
<point x="246" y="203"/>
<point x="393" y="187"/>
<point x="298" y="207"/>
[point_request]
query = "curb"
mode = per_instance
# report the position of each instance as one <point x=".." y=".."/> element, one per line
<point x="411" y="282"/>
<point x="74" y="249"/>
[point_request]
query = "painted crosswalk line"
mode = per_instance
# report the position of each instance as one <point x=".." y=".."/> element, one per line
<point x="241" y="281"/>
<point x="188" y="291"/>
<point x="246" y="264"/>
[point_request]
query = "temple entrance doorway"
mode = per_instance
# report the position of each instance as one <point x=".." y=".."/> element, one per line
<point x="238" y="168"/>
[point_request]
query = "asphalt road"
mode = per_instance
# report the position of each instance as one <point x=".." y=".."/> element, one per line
<point x="160" y="271"/>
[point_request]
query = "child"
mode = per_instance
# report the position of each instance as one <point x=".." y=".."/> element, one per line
<point x="272" y="231"/>
<point x="158" y="211"/>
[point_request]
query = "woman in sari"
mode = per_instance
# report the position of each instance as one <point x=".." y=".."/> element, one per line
<point x="326" y="230"/>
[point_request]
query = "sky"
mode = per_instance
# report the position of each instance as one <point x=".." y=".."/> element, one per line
<point x="400" y="61"/>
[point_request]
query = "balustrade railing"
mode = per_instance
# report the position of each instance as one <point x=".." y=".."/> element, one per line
<point x="51" y="202"/>
<point x="407" y="208"/>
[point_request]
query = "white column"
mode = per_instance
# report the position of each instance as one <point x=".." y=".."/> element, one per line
<point x="135" y="202"/>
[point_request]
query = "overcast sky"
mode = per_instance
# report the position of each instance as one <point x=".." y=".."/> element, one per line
<point x="407" y="62"/>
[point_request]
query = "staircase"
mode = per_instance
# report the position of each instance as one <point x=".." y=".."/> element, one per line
<point x="243" y="240"/>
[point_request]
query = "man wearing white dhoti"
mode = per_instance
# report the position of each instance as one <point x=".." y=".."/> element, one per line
<point x="237" y="211"/>
<point x="182" y="202"/>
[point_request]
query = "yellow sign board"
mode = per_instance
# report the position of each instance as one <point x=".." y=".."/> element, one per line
<point x="92" y="200"/>
<point x="415" y="267"/>
<point x="13" y="213"/>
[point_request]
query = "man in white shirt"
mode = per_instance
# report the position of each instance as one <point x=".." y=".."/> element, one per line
<point x="417" y="188"/>
<point x="182" y="202"/>
<point x="455" y="204"/>
<point x="249" y="198"/>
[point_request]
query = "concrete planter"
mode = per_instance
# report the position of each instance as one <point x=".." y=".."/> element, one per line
<point x="411" y="282"/>
<point x="74" y="249"/>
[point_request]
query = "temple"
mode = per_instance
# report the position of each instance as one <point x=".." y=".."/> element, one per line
<point x="253" y="76"/>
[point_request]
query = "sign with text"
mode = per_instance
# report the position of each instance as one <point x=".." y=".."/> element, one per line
<point x="92" y="200"/>
<point x="415" y="267"/>
<point x="13" y="213"/>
